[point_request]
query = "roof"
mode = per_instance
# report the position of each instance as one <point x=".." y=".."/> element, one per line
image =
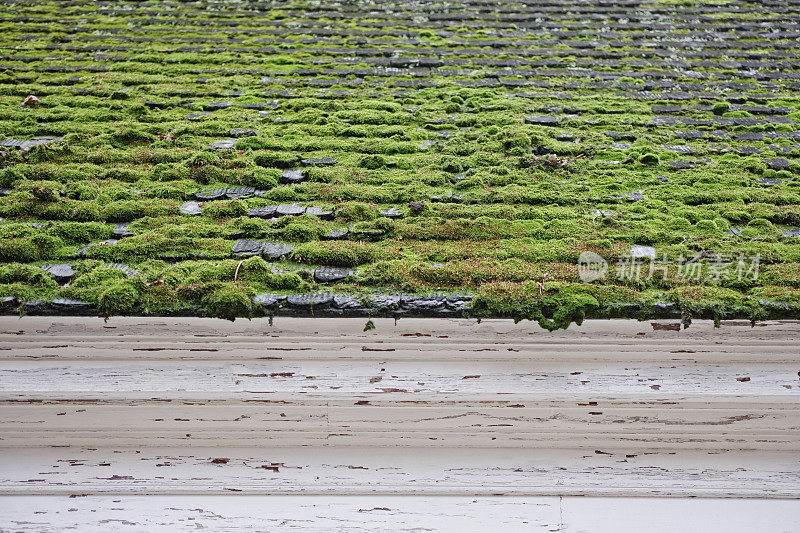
<point x="549" y="161"/>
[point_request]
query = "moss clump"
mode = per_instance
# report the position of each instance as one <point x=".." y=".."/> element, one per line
<point x="276" y="159"/>
<point x="553" y="305"/>
<point x="372" y="162"/>
<point x="169" y="172"/>
<point x="27" y="274"/>
<point x="229" y="303"/>
<point x="120" y="298"/>
<point x="35" y="247"/>
<point x="454" y="164"/>
<point x="93" y="274"/>
<point x="722" y="224"/>
<point x="344" y="254"/>
<point x="152" y="245"/>
<point x="252" y="269"/>
<point x="299" y="232"/>
<point x="204" y="158"/>
<point x="649" y="160"/>
<point x="126" y="210"/>
<point x="9" y="176"/>
<point x="707" y="226"/>
<point x="49" y="153"/>
<point x="760" y="228"/>
<point x="203" y="167"/>
<point x="289" y="281"/>
<point x="356" y="211"/>
<point x="721" y="108"/>
<point x="225" y="209"/>
<point x="128" y="175"/>
<point x="516" y="143"/>
<point x="710" y="302"/>
<point x="80" y="232"/>
<point x="260" y="178"/>
<point x="288" y="193"/>
<point x="250" y="227"/>
<point x="479" y="228"/>
<point x="130" y="136"/>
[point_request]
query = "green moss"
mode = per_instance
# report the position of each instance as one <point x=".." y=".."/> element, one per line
<point x="300" y="232"/>
<point x="80" y="232"/>
<point x="649" y="160"/>
<point x="721" y="108"/>
<point x="127" y="210"/>
<point x="760" y="228"/>
<point x="82" y="212"/>
<point x="289" y="281"/>
<point x="284" y="194"/>
<point x="27" y="274"/>
<point x="516" y="143"/>
<point x="372" y="162"/>
<point x="225" y="209"/>
<point x="201" y="159"/>
<point x="120" y="298"/>
<point x="722" y="224"/>
<point x="48" y="153"/>
<point x="130" y="136"/>
<point x="170" y="172"/>
<point x="344" y="254"/>
<point x="10" y="176"/>
<point x="518" y="197"/>
<point x="433" y="228"/>
<point x="34" y="247"/>
<point x="251" y="269"/>
<point x="228" y="302"/>
<point x="707" y="226"/>
<point x="98" y="276"/>
<point x="454" y="164"/>
<point x="356" y="211"/>
<point x="250" y="227"/>
<point x="553" y="306"/>
<point x="276" y="159"/>
<point x="260" y="178"/>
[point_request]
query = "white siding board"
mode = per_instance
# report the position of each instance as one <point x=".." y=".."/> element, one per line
<point x="167" y="514"/>
<point x="418" y="425"/>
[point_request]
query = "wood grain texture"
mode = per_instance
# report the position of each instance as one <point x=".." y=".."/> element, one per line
<point x="195" y="382"/>
<point x="412" y="471"/>
<point x="99" y="514"/>
<point x="406" y="339"/>
<point x="176" y="424"/>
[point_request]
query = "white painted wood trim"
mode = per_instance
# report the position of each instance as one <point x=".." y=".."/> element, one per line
<point x="449" y="416"/>
<point x="362" y="513"/>
<point x="410" y="471"/>
<point x="406" y="339"/>
<point x="194" y="382"/>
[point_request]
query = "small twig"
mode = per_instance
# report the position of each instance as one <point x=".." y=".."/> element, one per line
<point x="545" y="277"/>
<point x="236" y="274"/>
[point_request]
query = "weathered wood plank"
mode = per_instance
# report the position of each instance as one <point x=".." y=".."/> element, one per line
<point x="91" y="514"/>
<point x="287" y="423"/>
<point x="413" y="471"/>
<point x="411" y="403"/>
<point x="411" y="339"/>
<point x="362" y="350"/>
<point x="319" y="407"/>
<point x="421" y="378"/>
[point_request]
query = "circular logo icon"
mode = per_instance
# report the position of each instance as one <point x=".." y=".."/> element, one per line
<point x="591" y="267"/>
